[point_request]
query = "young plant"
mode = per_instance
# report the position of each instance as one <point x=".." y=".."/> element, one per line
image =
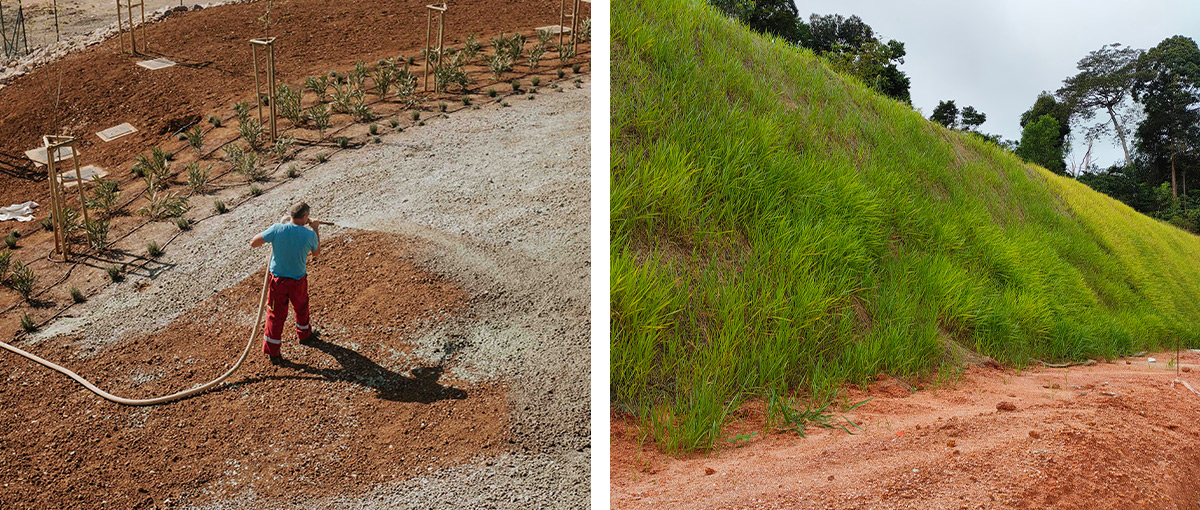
<point x="451" y="72"/>
<point x="287" y="100"/>
<point x="544" y="38"/>
<point x="214" y="120"/>
<point x="197" y="179"/>
<point x="162" y="205"/>
<point x="105" y="197"/>
<point x="97" y="234"/>
<point x="373" y="129"/>
<point x="283" y="146"/>
<point x="10" y="242"/>
<point x="219" y="206"/>
<point x="27" y="323"/>
<point x="360" y="111"/>
<point x="585" y="29"/>
<point x="406" y="87"/>
<point x="252" y="132"/>
<point x="565" y="54"/>
<point x="561" y="73"/>
<point x="466" y="101"/>
<point x="195" y="138"/>
<point x="77" y="295"/>
<point x="255" y="190"/>
<point x="242" y="110"/>
<point x="153" y="249"/>
<point x="48" y="223"/>
<point x="376" y="139"/>
<point x="499" y="62"/>
<point x="343" y="142"/>
<point x="416" y="115"/>
<point x="22" y="279"/>
<point x="319" y="86"/>
<point x="471" y="47"/>
<point x="71" y="221"/>
<point x="322" y="157"/>
<point x="114" y="273"/>
<point x="5" y="262"/>
<point x="154" y="167"/>
<point x="442" y="107"/>
<point x="319" y="115"/>
<point x="183" y="223"/>
<point x="516" y="85"/>
<point x="535" y="81"/>
<point x="393" y="123"/>
<point x="492" y="92"/>
<point x="384" y="77"/>
<point x="576" y="67"/>
<point x="358" y="77"/>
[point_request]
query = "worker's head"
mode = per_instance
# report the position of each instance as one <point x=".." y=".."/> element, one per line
<point x="299" y="213"/>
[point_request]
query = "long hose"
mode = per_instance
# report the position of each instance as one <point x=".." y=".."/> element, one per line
<point x="254" y="332"/>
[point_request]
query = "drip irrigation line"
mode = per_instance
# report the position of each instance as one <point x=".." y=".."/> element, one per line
<point x="262" y="301"/>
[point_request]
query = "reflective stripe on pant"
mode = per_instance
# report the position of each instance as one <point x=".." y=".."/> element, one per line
<point x="282" y="291"/>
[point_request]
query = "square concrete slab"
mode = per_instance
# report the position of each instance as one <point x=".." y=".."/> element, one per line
<point x="38" y="155"/>
<point x="116" y="132"/>
<point x="555" y="29"/>
<point x="90" y="173"/>
<point x="158" y="63"/>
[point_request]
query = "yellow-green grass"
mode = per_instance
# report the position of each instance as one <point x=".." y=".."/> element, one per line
<point x="778" y="227"/>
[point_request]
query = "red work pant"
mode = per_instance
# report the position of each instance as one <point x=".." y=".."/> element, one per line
<point x="281" y="292"/>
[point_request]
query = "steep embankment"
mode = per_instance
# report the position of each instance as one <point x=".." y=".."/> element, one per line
<point x="777" y="226"/>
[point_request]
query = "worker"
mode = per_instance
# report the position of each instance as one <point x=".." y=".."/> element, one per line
<point x="291" y="243"/>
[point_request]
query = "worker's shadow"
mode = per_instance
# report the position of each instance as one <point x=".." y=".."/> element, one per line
<point x="422" y="387"/>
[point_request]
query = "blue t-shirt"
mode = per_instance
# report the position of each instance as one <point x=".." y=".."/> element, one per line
<point x="290" y="244"/>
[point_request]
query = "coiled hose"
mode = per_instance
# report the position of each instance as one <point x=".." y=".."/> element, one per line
<point x="262" y="304"/>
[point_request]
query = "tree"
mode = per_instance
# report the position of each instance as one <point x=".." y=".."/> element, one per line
<point x="774" y="17"/>
<point x="946" y="114"/>
<point x="851" y="46"/>
<point x="1169" y="91"/>
<point x="1047" y="104"/>
<point x="1040" y="144"/>
<point x="1106" y="77"/>
<point x="972" y="118"/>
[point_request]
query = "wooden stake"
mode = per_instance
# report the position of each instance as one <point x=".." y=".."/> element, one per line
<point x="441" y="13"/>
<point x="269" y="44"/>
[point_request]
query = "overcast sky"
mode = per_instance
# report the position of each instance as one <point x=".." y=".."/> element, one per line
<point x="997" y="55"/>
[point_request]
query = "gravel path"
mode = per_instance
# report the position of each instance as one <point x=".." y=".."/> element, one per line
<point x="499" y="200"/>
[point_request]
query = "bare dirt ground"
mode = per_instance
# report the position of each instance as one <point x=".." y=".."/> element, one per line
<point x="75" y="17"/>
<point x="468" y="387"/>
<point x="1108" y="436"/>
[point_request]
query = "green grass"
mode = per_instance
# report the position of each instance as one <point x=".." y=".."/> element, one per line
<point x="779" y="229"/>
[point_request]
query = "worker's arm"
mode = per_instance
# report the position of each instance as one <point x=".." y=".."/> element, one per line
<point x="316" y="228"/>
<point x="257" y="241"/>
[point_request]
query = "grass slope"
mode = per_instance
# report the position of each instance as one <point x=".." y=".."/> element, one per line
<point x="777" y="227"/>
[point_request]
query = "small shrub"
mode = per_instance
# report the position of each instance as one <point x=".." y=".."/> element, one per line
<point x="565" y="54"/>
<point x="576" y="67"/>
<point x="48" y="223"/>
<point x="27" y="323"/>
<point x="384" y="77"/>
<point x="373" y="129"/>
<point x="77" y="295"/>
<point x="394" y="123"/>
<point x="535" y="81"/>
<point x="164" y="205"/>
<point x="97" y="234"/>
<point x="242" y="110"/>
<point x="499" y="63"/>
<point x="406" y="87"/>
<point x="22" y="279"/>
<point x="292" y="171"/>
<point x="246" y="163"/>
<point x="220" y="207"/>
<point x="466" y="101"/>
<point x="451" y="72"/>
<point x="416" y="115"/>
<point x="105" y="197"/>
<point x="195" y="138"/>
<point x="319" y="86"/>
<point x="114" y="273"/>
<point x="10" y="242"/>
<point x="252" y="132"/>
<point x="516" y="85"/>
<point x="198" y="179"/>
<point x="544" y="37"/>
<point x="535" y="56"/>
<point x="578" y="83"/>
<point x="561" y="73"/>
<point x="287" y="100"/>
<point x="504" y="104"/>
<point x="421" y="123"/>
<point x="343" y="142"/>
<point x="375" y="139"/>
<point x="282" y="147"/>
<point x="183" y="223"/>
<point x="322" y="157"/>
<point x="361" y="112"/>
<point x="471" y="47"/>
<point x="319" y="115"/>
<point x="442" y="107"/>
<point x="154" y="167"/>
<point x="214" y="120"/>
<point x="491" y="92"/>
<point x="255" y="190"/>
<point x="585" y="29"/>
<point x="153" y="249"/>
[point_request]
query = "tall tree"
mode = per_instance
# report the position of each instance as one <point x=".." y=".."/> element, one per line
<point x="1105" y="79"/>
<point x="824" y="33"/>
<point x="972" y="118"/>
<point x="1047" y="104"/>
<point x="852" y="48"/>
<point x="1169" y="91"/>
<point x="774" y="17"/>
<point x="946" y="114"/>
<point x="1040" y="144"/>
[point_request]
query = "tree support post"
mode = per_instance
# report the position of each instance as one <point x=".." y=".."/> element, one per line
<point x="269" y="51"/>
<point x="441" y="16"/>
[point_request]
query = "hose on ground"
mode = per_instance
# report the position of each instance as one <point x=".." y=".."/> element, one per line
<point x="254" y="332"/>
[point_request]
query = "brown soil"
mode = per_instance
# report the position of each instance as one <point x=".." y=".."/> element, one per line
<point x="101" y="87"/>
<point x="1109" y="436"/>
<point x="350" y="411"/>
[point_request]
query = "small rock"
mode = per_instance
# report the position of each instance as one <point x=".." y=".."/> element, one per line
<point x="1186" y="369"/>
<point x="709" y="471"/>
<point x="1034" y="434"/>
<point x="1006" y="406"/>
<point x="952" y="443"/>
<point x="831" y="478"/>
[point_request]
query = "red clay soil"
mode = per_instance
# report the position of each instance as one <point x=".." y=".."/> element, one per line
<point x="101" y="87"/>
<point x="1109" y="436"/>
<point x="351" y="411"/>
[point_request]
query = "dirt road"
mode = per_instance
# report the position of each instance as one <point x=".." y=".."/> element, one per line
<point x="476" y="205"/>
<point x="1109" y="436"/>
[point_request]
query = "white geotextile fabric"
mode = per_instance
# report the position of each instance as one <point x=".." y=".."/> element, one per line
<point x="19" y="212"/>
